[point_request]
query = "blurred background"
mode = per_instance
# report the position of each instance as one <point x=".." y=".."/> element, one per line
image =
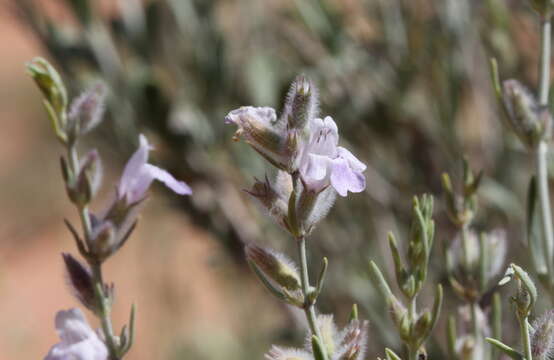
<point x="406" y="81"/>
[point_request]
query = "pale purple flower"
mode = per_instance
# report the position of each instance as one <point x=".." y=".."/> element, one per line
<point x="324" y="163"/>
<point x="138" y="175"/>
<point x="77" y="340"/>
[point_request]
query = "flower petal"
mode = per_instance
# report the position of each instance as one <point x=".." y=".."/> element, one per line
<point x="265" y="115"/>
<point x="72" y="325"/>
<point x="324" y="137"/>
<point x="344" y="179"/>
<point x="78" y="340"/>
<point x="154" y="172"/>
<point x="134" y="166"/>
<point x="316" y="167"/>
<point x="353" y="161"/>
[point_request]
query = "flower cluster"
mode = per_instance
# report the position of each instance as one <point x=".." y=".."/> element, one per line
<point x="103" y="233"/>
<point x="311" y="169"/>
<point x="305" y="149"/>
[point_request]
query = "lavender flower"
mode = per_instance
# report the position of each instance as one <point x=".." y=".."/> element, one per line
<point x="78" y="340"/>
<point x="318" y="157"/>
<point x="111" y="229"/>
<point x="138" y="175"/>
<point x="325" y="163"/>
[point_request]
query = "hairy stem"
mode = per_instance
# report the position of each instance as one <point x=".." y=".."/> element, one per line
<point x="309" y="307"/>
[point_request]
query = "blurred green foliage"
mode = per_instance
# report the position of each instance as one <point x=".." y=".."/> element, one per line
<point x="406" y="81"/>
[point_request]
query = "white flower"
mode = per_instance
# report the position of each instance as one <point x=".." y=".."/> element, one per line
<point x="78" y="340"/>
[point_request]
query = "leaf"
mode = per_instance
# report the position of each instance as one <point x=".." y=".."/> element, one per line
<point x="506" y="349"/>
<point x="317" y="348"/>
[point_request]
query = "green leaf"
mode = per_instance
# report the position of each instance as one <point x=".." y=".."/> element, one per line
<point x="317" y="349"/>
<point x="391" y="355"/>
<point x="506" y="349"/>
<point x="354" y="313"/>
<point x="452" y="336"/>
<point x="266" y="282"/>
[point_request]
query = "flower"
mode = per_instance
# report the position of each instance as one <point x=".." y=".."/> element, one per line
<point x="78" y="340"/>
<point x="138" y="176"/>
<point x="111" y="229"/>
<point x="323" y="163"/>
<point x="270" y="137"/>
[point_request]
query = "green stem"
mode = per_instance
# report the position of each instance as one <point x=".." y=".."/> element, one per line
<point x="104" y="313"/>
<point x="412" y="313"/>
<point x="542" y="148"/>
<point x="546" y="213"/>
<point x="544" y="65"/>
<point x="525" y="338"/>
<point x="309" y="308"/>
<point x="465" y="246"/>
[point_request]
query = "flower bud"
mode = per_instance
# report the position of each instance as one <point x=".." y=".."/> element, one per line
<point x="405" y="328"/>
<point x="103" y="240"/>
<point x="275" y="265"/>
<point x="526" y="294"/>
<point x="82" y="188"/>
<point x="55" y="95"/>
<point x="301" y="103"/>
<point x="530" y="122"/>
<point x="542" y="336"/>
<point x="329" y="333"/>
<point x="422" y="233"/>
<point x="311" y="206"/>
<point x="277" y="353"/>
<point x="353" y="344"/>
<point x="86" y="111"/>
<point x="261" y="130"/>
<point x="80" y="281"/>
<point x="271" y="199"/>
<point x="422" y="324"/>
<point x="397" y="311"/>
